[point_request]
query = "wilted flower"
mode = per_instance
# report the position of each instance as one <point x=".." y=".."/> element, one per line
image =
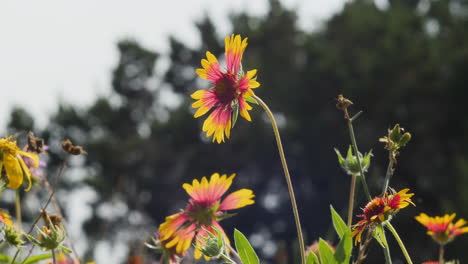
<point x="231" y="88"/>
<point x="51" y="235"/>
<point x="441" y="228"/>
<point x="11" y="160"/>
<point x="381" y="209"/>
<point x="202" y="213"/>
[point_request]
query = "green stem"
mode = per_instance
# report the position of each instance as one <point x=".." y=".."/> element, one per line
<point x="18" y="209"/>
<point x="226" y="258"/>
<point x="352" y="190"/>
<point x="388" y="257"/>
<point x="356" y="153"/>
<point x="388" y="175"/>
<point x="400" y="242"/>
<point x="53" y="256"/>
<point x="441" y="255"/>
<point x="287" y="176"/>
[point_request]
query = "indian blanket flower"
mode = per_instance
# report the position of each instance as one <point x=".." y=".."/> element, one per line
<point x="381" y="209"/>
<point x="231" y="87"/>
<point x="441" y="228"/>
<point x="202" y="214"/>
<point x="15" y="167"/>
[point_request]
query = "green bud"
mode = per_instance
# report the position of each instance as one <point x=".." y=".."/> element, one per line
<point x="395" y="133"/>
<point x="50" y="237"/>
<point x="404" y="139"/>
<point x="350" y="164"/>
<point x="214" y="244"/>
<point x="12" y="236"/>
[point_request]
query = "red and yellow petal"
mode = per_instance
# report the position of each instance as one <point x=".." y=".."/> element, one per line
<point x="237" y="199"/>
<point x="206" y="99"/>
<point x="181" y="240"/>
<point x="211" y="70"/>
<point x="244" y="107"/>
<point x="209" y="191"/>
<point x="172" y="224"/>
<point x="218" y="124"/>
<point x="234" y="49"/>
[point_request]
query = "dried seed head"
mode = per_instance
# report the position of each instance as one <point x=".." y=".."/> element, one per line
<point x="342" y="103"/>
<point x="35" y="144"/>
<point x="68" y="147"/>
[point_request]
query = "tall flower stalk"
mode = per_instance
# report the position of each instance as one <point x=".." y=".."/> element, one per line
<point x="229" y="96"/>
<point x="286" y="175"/>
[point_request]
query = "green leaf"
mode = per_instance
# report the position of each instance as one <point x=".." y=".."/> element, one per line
<point x="5" y="258"/>
<point x="378" y="234"/>
<point x="338" y="223"/>
<point x="343" y="250"/>
<point x="35" y="259"/>
<point x="312" y="258"/>
<point x="326" y="253"/>
<point x="250" y="99"/>
<point x="245" y="250"/>
<point x="341" y="160"/>
<point x="235" y="114"/>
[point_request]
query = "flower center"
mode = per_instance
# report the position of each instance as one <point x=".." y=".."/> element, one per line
<point x="226" y="88"/>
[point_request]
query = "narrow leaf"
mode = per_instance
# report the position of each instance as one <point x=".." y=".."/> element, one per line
<point x="312" y="258"/>
<point x="35" y="259"/>
<point x="379" y="235"/>
<point x="235" y="114"/>
<point x="250" y="99"/>
<point x="245" y="250"/>
<point x="338" y="223"/>
<point x="344" y="248"/>
<point x="326" y="253"/>
<point x="5" y="259"/>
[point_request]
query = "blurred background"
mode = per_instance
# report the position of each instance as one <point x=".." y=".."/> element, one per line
<point x="115" y="77"/>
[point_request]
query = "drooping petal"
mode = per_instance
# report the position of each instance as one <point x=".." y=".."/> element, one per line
<point x="237" y="199"/>
<point x="172" y="224"/>
<point x="13" y="170"/>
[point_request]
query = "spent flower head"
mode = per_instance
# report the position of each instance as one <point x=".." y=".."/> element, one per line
<point x="441" y="228"/>
<point x="202" y="214"/>
<point x="12" y="163"/>
<point x="350" y="163"/>
<point x="231" y="90"/>
<point x="381" y="209"/>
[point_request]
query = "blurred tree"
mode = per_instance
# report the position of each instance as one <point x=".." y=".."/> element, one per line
<point x="403" y="63"/>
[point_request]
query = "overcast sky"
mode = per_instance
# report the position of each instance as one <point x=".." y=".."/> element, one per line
<point x="54" y="50"/>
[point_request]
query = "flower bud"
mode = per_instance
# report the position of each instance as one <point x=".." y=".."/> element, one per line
<point x="350" y="165"/>
<point x="213" y="245"/>
<point x="12" y="236"/>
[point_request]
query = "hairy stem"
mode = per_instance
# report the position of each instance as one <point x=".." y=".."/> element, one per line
<point x="57" y="179"/>
<point x="352" y="189"/>
<point x="400" y="242"/>
<point x="441" y="254"/>
<point x="18" y="209"/>
<point x="362" y="178"/>
<point x="388" y="257"/>
<point x="234" y="252"/>
<point x="53" y="256"/>
<point x="287" y="176"/>
<point x="388" y="175"/>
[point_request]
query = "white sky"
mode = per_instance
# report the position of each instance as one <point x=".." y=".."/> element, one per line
<point x="53" y="50"/>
